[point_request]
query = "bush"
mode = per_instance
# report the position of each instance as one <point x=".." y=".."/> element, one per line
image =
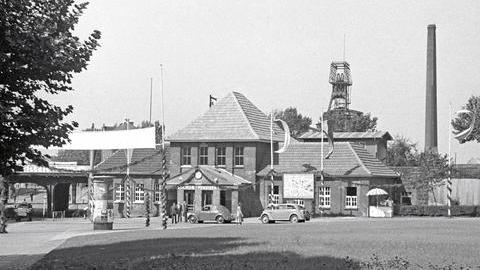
<point x="437" y="210"/>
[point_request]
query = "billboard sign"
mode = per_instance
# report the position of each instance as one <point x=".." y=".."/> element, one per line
<point x="298" y="186"/>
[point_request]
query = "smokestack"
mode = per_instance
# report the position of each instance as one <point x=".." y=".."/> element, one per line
<point x="431" y="143"/>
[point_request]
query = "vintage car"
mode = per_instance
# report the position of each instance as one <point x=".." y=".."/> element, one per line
<point x="286" y="212"/>
<point x="210" y="212"/>
<point x="19" y="211"/>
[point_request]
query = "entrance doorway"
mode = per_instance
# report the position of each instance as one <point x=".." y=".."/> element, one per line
<point x="207" y="196"/>
<point x="60" y="197"/>
<point x="188" y="197"/>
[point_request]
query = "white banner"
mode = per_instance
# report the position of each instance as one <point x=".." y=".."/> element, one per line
<point x="298" y="186"/>
<point x="116" y="139"/>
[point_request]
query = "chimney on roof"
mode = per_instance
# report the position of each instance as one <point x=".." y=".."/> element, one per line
<point x="431" y="143"/>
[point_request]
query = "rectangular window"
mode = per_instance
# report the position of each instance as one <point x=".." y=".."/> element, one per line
<point x="139" y="193"/>
<point x="406" y="198"/>
<point x="276" y="194"/>
<point x="186" y="156"/>
<point x="203" y="155"/>
<point x="351" y="198"/>
<point x="297" y="201"/>
<point x="238" y="156"/>
<point x="119" y="192"/>
<point x="324" y="197"/>
<point x="157" y="193"/>
<point x="221" y="156"/>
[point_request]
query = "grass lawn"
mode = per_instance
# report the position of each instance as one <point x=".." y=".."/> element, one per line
<point x="422" y="243"/>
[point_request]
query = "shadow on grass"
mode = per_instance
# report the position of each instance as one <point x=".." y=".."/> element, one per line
<point x="184" y="253"/>
<point x="18" y="261"/>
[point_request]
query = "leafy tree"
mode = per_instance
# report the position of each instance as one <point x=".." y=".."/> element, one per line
<point x="38" y="56"/>
<point x="297" y="123"/>
<point x="433" y="170"/>
<point x="350" y="121"/>
<point x="463" y="121"/>
<point x="401" y="152"/>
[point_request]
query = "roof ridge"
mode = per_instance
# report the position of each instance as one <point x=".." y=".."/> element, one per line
<point x="359" y="159"/>
<point x="244" y="114"/>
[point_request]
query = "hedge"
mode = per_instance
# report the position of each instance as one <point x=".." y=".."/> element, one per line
<point x="439" y="210"/>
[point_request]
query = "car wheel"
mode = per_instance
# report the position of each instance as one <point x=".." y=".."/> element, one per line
<point x="265" y="219"/>
<point x="293" y="219"/>
<point x="192" y="219"/>
<point x="17" y="219"/>
<point x="220" y="219"/>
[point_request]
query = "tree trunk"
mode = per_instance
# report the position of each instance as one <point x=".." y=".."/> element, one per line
<point x="3" y="203"/>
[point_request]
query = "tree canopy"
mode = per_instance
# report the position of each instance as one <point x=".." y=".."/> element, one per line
<point x="463" y="121"/>
<point x="352" y="121"/>
<point x="402" y="152"/>
<point x="38" y="56"/>
<point x="297" y="123"/>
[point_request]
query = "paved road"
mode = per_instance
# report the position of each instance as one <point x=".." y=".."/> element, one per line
<point x="27" y="242"/>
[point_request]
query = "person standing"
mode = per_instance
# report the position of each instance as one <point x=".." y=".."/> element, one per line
<point x="185" y="211"/>
<point x="181" y="212"/>
<point x="173" y="212"/>
<point x="239" y="214"/>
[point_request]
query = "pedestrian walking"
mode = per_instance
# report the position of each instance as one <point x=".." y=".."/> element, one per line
<point x="239" y="214"/>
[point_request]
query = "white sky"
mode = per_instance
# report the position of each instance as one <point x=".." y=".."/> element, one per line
<point x="278" y="54"/>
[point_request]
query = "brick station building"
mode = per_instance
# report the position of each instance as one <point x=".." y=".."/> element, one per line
<point x="223" y="157"/>
<point x="349" y="173"/>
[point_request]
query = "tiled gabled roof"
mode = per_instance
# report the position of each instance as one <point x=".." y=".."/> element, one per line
<point x="143" y="162"/>
<point x="211" y="175"/>
<point x="348" y="160"/>
<point x="233" y="118"/>
<point x="344" y="136"/>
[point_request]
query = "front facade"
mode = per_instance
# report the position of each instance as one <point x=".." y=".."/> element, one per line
<point x="224" y="157"/>
<point x="349" y="173"/>
<point x="144" y="174"/>
<point x="232" y="136"/>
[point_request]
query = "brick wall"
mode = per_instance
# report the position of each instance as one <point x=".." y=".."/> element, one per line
<point x="247" y="171"/>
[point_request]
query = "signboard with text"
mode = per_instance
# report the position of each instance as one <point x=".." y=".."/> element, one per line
<point x="298" y="186"/>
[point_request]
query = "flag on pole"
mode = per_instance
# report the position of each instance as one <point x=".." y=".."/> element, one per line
<point x="286" y="141"/>
<point x="329" y="133"/>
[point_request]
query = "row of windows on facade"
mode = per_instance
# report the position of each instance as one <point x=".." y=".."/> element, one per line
<point x="323" y="197"/>
<point x="139" y="194"/>
<point x="220" y="156"/>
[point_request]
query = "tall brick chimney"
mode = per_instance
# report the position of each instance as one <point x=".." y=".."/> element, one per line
<point x="431" y="143"/>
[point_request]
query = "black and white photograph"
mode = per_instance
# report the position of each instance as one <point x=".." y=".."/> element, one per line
<point x="227" y="134"/>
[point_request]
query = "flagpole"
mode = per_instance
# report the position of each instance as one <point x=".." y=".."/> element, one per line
<point x="321" y="146"/>
<point x="321" y="160"/>
<point x="449" y="180"/>
<point x="271" y="156"/>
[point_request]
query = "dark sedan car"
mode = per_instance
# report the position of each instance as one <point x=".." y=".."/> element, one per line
<point x="217" y="213"/>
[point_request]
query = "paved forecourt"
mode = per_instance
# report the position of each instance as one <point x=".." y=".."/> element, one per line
<point x="27" y="242"/>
